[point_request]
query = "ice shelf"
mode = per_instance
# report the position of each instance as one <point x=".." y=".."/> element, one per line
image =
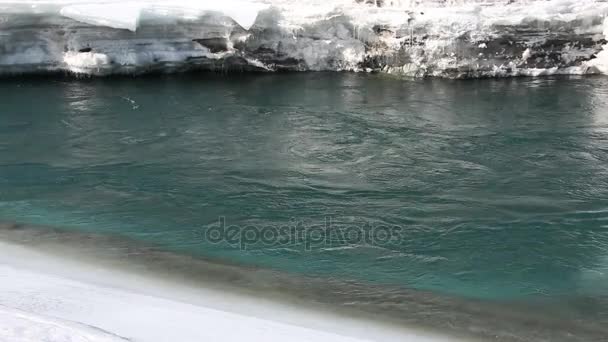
<point x="453" y="39"/>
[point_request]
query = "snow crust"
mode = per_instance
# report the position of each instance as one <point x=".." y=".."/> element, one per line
<point x="125" y="15"/>
<point x="21" y="326"/>
<point x="119" y="16"/>
<point x="44" y="297"/>
<point x="417" y="38"/>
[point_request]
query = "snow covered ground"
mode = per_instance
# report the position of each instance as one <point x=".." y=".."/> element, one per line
<point x="419" y="38"/>
<point x="44" y="297"/>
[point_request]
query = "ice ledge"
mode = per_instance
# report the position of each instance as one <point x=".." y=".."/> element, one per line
<point x="411" y="38"/>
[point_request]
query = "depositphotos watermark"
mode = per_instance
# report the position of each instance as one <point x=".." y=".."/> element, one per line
<point x="299" y="233"/>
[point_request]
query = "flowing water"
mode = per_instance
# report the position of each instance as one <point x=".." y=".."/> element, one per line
<point x="488" y="189"/>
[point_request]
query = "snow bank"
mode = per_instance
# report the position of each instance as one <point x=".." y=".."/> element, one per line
<point x="20" y="326"/>
<point x="48" y="298"/>
<point x="125" y="15"/>
<point x="601" y="62"/>
<point x="456" y="39"/>
<point x="119" y="16"/>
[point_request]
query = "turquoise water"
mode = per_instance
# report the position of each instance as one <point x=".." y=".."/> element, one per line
<point x="494" y="189"/>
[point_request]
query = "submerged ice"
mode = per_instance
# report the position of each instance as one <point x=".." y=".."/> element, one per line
<point x="418" y="38"/>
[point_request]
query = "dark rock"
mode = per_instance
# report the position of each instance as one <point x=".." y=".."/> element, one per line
<point x="214" y="45"/>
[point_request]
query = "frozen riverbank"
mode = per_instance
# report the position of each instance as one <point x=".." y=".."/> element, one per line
<point x="411" y="38"/>
<point x="66" y="286"/>
<point x="44" y="297"/>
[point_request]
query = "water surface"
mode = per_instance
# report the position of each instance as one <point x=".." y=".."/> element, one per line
<point x="495" y="189"/>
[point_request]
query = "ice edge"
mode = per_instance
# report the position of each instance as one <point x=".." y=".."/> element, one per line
<point x="465" y="40"/>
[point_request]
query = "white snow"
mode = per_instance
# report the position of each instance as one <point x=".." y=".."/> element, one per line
<point x="119" y="15"/>
<point x="125" y="14"/>
<point x="44" y="297"/>
<point x="526" y="54"/>
<point x="21" y="326"/>
<point x="81" y="62"/>
<point x="601" y="62"/>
